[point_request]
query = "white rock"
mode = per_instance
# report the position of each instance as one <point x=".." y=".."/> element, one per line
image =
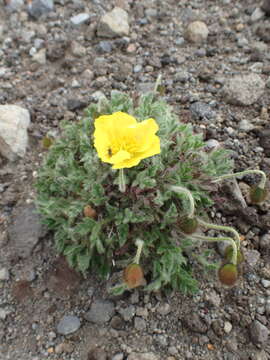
<point x="114" y="23"/>
<point x="40" y="57"/>
<point x="257" y="14"/>
<point x="245" y="125"/>
<point x="142" y="356"/>
<point x="227" y="327"/>
<point x="14" y="122"/>
<point x="197" y="32"/>
<point x="79" y="19"/>
<point x="266" y="283"/>
<point x="4" y="274"/>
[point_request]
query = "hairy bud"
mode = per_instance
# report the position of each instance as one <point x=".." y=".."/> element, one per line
<point x="257" y="194"/>
<point x="188" y="225"/>
<point x="133" y="276"/>
<point x="228" y="274"/>
<point x="88" y="211"/>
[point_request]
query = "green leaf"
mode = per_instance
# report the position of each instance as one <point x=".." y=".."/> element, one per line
<point x="83" y="261"/>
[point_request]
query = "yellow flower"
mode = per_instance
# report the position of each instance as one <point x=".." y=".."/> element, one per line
<point x="123" y="142"/>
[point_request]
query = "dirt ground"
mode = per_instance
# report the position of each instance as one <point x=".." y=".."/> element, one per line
<point x="54" y="67"/>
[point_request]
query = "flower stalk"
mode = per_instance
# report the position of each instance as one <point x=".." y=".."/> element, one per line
<point x="182" y="190"/>
<point x="215" y="239"/>
<point x="243" y="173"/>
<point x="139" y="243"/>
<point x="222" y="228"/>
<point x="122" y="181"/>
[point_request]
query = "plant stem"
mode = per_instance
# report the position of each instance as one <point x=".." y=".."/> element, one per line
<point x="214" y="239"/>
<point x="158" y="82"/>
<point x="182" y="190"/>
<point x="139" y="243"/>
<point x="221" y="227"/>
<point x="243" y="173"/>
<point x="122" y="181"/>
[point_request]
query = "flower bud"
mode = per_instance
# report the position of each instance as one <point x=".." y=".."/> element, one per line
<point x="257" y="194"/>
<point x="188" y="225"/>
<point x="133" y="276"/>
<point x="47" y="142"/>
<point x="229" y="255"/>
<point x="228" y="274"/>
<point x="88" y="211"/>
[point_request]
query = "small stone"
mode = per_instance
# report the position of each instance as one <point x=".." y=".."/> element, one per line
<point x="266" y="283"/>
<point x="14" y="5"/>
<point x="4" y="313"/>
<point x="245" y="125"/>
<point x="113" y="24"/>
<point x="104" y="47"/>
<point x="197" y="32"/>
<point x="202" y="111"/>
<point x="36" y="8"/>
<point x="64" y="347"/>
<point x="127" y="313"/>
<point x="172" y="350"/>
<point x="137" y="68"/>
<point x="243" y="89"/>
<point x="79" y="19"/>
<point x="265" y="241"/>
<point x="258" y="332"/>
<point x="227" y="327"/>
<point x="68" y="325"/>
<point x="164" y="309"/>
<point x="101" y="311"/>
<point x="40" y="57"/>
<point x="252" y="257"/>
<point x="196" y="324"/>
<point x="4" y="274"/>
<point x="139" y="324"/>
<point x="212" y="297"/>
<point x="77" y="49"/>
<point x="118" y="356"/>
<point x="142" y="356"/>
<point x="76" y="104"/>
<point x="14" y="122"/>
<point x="257" y="15"/>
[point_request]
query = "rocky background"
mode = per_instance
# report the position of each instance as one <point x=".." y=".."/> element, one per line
<point x="56" y="56"/>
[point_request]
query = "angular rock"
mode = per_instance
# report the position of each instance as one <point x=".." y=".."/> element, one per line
<point x="142" y="356"/>
<point x="77" y="49"/>
<point x="79" y="19"/>
<point x="14" y="5"/>
<point x="258" y="332"/>
<point x="263" y="32"/>
<point x="14" y="121"/>
<point x="197" y="32"/>
<point x="40" y="57"/>
<point x="68" y="325"/>
<point x="266" y="7"/>
<point x="4" y="274"/>
<point x="100" y="312"/>
<point x="243" y="89"/>
<point x="202" y="111"/>
<point x="36" y="8"/>
<point x="196" y="324"/>
<point x="113" y="24"/>
<point x="257" y="14"/>
<point x="25" y="230"/>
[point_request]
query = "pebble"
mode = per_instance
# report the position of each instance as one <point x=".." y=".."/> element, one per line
<point x="266" y="7"/>
<point x="101" y="311"/>
<point x="258" y="332"/>
<point x="14" y="122"/>
<point x="197" y="32"/>
<point x="257" y="15"/>
<point x="36" y="8"/>
<point x="252" y="257"/>
<point x="68" y="325"/>
<point x="139" y="323"/>
<point x="64" y="347"/>
<point x="265" y="241"/>
<point x="127" y="313"/>
<point x="202" y="111"/>
<point x="118" y="356"/>
<point x="113" y="24"/>
<point x="77" y="49"/>
<point x="243" y="89"/>
<point x="79" y="19"/>
<point x="265" y="283"/>
<point x="164" y="309"/>
<point x="227" y="327"/>
<point x="142" y="356"/>
<point x="4" y="274"/>
<point x="40" y="57"/>
<point x="245" y="125"/>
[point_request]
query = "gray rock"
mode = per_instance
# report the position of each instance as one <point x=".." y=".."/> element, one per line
<point x="118" y="356"/>
<point x="245" y="125"/>
<point x="79" y="19"/>
<point x="195" y="323"/>
<point x="142" y="356"/>
<point x="127" y="313"/>
<point x="14" y="122"/>
<point x="258" y="332"/>
<point x="202" y="111"/>
<point x="40" y="57"/>
<point x="197" y="32"/>
<point x="68" y="325"/>
<point x="252" y="257"/>
<point x="77" y="49"/>
<point x="14" y="5"/>
<point x="36" y="8"/>
<point x="266" y="283"/>
<point x="139" y="324"/>
<point x="243" y="89"/>
<point x="113" y="24"/>
<point x="4" y="274"/>
<point x="263" y="32"/>
<point x="104" y="47"/>
<point x="25" y="230"/>
<point x="101" y="311"/>
<point x="265" y="241"/>
<point x="266" y="7"/>
<point x="257" y="15"/>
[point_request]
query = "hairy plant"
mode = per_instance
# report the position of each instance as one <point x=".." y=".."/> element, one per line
<point x="102" y="216"/>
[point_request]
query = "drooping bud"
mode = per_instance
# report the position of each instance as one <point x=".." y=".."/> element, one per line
<point x="229" y="255"/>
<point x="188" y="225"/>
<point x="47" y="142"/>
<point x="228" y="274"/>
<point x="133" y="276"/>
<point x="257" y="194"/>
<point x="88" y="211"/>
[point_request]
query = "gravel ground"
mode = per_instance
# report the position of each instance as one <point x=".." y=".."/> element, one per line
<point x="58" y="56"/>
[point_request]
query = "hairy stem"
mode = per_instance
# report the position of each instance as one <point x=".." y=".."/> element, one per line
<point x="243" y="173"/>
<point x="158" y="82"/>
<point x="223" y="228"/>
<point x="215" y="239"/>
<point x="122" y="181"/>
<point x="139" y="243"/>
<point x="182" y="190"/>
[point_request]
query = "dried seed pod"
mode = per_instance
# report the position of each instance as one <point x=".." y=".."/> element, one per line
<point x="188" y="225"/>
<point x="229" y="255"/>
<point x="88" y="211"/>
<point x="257" y="194"/>
<point x="228" y="274"/>
<point x="133" y="276"/>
